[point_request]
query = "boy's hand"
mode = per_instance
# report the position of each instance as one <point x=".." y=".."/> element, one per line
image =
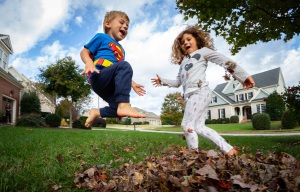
<point x="156" y="81"/>
<point x="249" y="83"/>
<point x="90" y="67"/>
<point x="85" y="55"/>
<point x="139" y="89"/>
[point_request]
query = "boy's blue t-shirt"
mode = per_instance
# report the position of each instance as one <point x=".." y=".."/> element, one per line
<point x="105" y="50"/>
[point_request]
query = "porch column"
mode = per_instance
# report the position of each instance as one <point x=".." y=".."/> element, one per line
<point x="241" y="114"/>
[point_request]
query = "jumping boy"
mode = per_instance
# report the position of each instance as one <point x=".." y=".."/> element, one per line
<point x="109" y="74"/>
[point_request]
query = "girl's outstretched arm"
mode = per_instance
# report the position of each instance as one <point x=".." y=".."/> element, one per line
<point x="248" y="83"/>
<point x="156" y="81"/>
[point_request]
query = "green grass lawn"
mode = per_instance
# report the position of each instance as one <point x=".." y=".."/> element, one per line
<point x="35" y="159"/>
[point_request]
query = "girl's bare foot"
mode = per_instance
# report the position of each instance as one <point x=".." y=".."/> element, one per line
<point x="232" y="152"/>
<point x="94" y="113"/>
<point x="124" y="109"/>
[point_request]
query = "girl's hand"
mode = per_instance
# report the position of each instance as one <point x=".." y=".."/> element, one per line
<point x="139" y="89"/>
<point x="156" y="81"/>
<point x="249" y="83"/>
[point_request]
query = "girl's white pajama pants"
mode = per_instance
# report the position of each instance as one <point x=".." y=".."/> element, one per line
<point x="194" y="119"/>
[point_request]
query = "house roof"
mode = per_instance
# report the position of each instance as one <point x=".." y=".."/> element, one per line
<point x="266" y="78"/>
<point x="149" y="114"/>
<point x="263" y="79"/>
<point x="5" y="40"/>
<point x="10" y="78"/>
<point x="219" y="90"/>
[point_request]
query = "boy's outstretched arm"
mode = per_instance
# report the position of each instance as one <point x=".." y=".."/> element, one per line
<point x="139" y="89"/>
<point x="89" y="64"/>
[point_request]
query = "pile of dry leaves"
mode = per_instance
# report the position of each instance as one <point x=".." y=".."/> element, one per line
<point x="197" y="171"/>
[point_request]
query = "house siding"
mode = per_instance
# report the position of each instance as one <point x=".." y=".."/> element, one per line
<point x="235" y="100"/>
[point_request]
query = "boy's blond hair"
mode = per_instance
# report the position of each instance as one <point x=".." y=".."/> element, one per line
<point x="111" y="15"/>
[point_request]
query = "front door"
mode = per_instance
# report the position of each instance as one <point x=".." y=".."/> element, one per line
<point x="248" y="112"/>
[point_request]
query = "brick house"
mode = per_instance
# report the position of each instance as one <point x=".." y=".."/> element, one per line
<point x="10" y="87"/>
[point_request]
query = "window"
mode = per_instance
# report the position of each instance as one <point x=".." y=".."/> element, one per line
<point x="250" y="95"/>
<point x="241" y="97"/>
<point x="261" y="108"/>
<point x="221" y="113"/>
<point x="233" y="85"/>
<point x="5" y="58"/>
<point x="208" y="116"/>
<point x="214" y="99"/>
<point x="1" y="58"/>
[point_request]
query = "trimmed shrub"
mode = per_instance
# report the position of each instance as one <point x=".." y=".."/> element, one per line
<point x="146" y="123"/>
<point x="79" y="124"/>
<point x="83" y="118"/>
<point x="53" y="120"/>
<point x="220" y="121"/>
<point x="226" y="120"/>
<point x="111" y="120"/>
<point x="261" y="121"/>
<point x="234" y="119"/>
<point x="30" y="120"/>
<point x="2" y="117"/>
<point x="207" y="121"/>
<point x="289" y="120"/>
<point x="99" y="122"/>
<point x="213" y="121"/>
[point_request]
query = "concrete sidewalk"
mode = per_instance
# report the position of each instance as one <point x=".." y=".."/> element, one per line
<point x="138" y="128"/>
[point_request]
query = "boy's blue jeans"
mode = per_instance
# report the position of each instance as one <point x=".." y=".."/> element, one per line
<point x="113" y="85"/>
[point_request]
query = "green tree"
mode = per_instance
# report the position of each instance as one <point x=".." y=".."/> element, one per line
<point x="291" y="98"/>
<point x="64" y="78"/>
<point x="30" y="103"/>
<point x="275" y="106"/>
<point x="242" y="22"/>
<point x="172" y="111"/>
<point x="63" y="109"/>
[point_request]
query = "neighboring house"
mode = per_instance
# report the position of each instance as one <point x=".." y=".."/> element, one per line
<point x="10" y="87"/>
<point x="47" y="101"/>
<point x="230" y="98"/>
<point x="151" y="117"/>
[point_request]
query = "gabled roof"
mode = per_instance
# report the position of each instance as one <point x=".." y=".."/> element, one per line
<point x="5" y="40"/>
<point x="149" y="114"/>
<point x="263" y="79"/>
<point x="267" y="78"/>
<point x="10" y="78"/>
<point x="219" y="90"/>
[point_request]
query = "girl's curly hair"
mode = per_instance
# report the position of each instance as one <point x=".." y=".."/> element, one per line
<point x="203" y="40"/>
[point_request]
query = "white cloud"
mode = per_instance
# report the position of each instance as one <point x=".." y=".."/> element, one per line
<point x="29" y="21"/>
<point x="78" y="20"/>
<point x="148" y="45"/>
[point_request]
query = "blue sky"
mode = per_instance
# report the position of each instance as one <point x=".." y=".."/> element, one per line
<point x="42" y="31"/>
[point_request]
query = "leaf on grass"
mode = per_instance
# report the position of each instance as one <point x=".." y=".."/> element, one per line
<point x="56" y="187"/>
<point x="60" y="158"/>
